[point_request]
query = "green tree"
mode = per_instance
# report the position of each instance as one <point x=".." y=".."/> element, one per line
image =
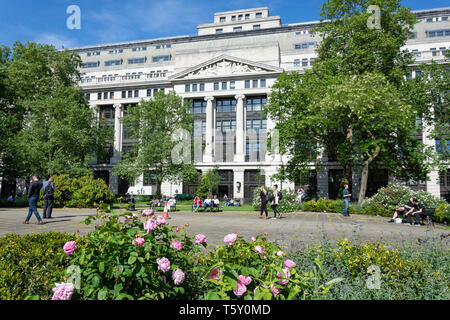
<point x="59" y="131"/>
<point x="351" y="103"/>
<point x="208" y="183"/>
<point x="154" y="124"/>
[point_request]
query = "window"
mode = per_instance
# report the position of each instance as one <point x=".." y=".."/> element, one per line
<point x="247" y="84"/>
<point x="413" y="35"/>
<point x="111" y="95"/>
<point x="444" y="18"/>
<point x="95" y="53"/>
<point x="137" y="60"/>
<point x="240" y="17"/>
<point x="199" y="106"/>
<point x="256" y="26"/>
<point x="429" y="19"/>
<point x="233" y="18"/>
<point x="149" y="92"/>
<point x="296" y="62"/>
<point x="88" y="96"/>
<point x="219" y="31"/>
<point x="149" y="179"/>
<point x="304" y="45"/>
<point x="90" y="65"/>
<point x="216" y="86"/>
<point x="255" y="103"/>
<point x="304" y="62"/>
<point x="202" y="87"/>
<point x="226" y="105"/>
<point x="255" y="84"/>
<point x="136" y="93"/>
<point x="247" y="16"/>
<point x="237" y="29"/>
<point x="224" y="86"/>
<point x="187" y="88"/>
<point x="232" y="85"/>
<point x="258" y="15"/>
<point x="263" y="83"/>
<point x="257" y="125"/>
<point x="203" y="127"/>
<point x="99" y="96"/>
<point x="194" y="87"/>
<point x="163" y="46"/>
<point x="110" y="63"/>
<point x="124" y="94"/>
<point x="105" y="95"/>
<point x="311" y="61"/>
<point x="222" y="19"/>
<point x="139" y="49"/>
<point x="226" y="125"/>
<point x="115" y="51"/>
<point x="161" y="58"/>
<point x="130" y="94"/>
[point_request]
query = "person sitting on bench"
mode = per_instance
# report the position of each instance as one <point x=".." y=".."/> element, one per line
<point x="215" y="203"/>
<point x="171" y="203"/>
<point x="196" y="204"/>
<point x="418" y="210"/>
<point x="207" y="203"/>
<point x="407" y="209"/>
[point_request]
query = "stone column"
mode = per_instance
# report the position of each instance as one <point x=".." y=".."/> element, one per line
<point x="209" y="148"/>
<point x="117" y="133"/>
<point x="238" y="176"/>
<point x="433" y="183"/>
<point x="240" y="129"/>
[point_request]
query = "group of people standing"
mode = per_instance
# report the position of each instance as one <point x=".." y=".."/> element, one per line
<point x="273" y="199"/>
<point x="34" y="192"/>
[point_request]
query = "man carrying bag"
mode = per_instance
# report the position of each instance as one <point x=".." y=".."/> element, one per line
<point x="49" y="197"/>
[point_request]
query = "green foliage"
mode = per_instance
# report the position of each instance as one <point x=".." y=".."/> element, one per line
<point x="394" y="196"/>
<point x="287" y="204"/>
<point x="442" y="213"/>
<point x="408" y="271"/>
<point x="208" y="183"/>
<point x="325" y="205"/>
<point x="82" y="192"/>
<point x="17" y="202"/>
<point x="241" y="258"/>
<point x="31" y="264"/>
<point x="113" y="268"/>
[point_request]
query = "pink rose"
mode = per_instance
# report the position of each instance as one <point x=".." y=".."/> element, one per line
<point x="178" y="277"/>
<point x="230" y="238"/>
<point x="241" y="289"/>
<point x="214" y="274"/>
<point x="150" y="225"/>
<point x="253" y="239"/>
<point x="289" y="263"/>
<point x="245" y="280"/>
<point x="284" y="276"/>
<point x="161" y="220"/>
<point x="176" y="244"/>
<point x="139" y="242"/>
<point x="200" y="238"/>
<point x="147" y="213"/>
<point x="70" y="247"/>
<point x="163" y="264"/>
<point x="62" y="291"/>
<point x="280" y="253"/>
<point x="259" y="249"/>
<point x="274" y="290"/>
<point x="177" y="228"/>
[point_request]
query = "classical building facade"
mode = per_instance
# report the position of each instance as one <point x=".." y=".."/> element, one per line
<point x="227" y="70"/>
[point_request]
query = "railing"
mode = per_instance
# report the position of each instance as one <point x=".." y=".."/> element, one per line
<point x="125" y="78"/>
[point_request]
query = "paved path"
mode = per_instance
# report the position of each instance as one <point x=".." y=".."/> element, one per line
<point x="290" y="231"/>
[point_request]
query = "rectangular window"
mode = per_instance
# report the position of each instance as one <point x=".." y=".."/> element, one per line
<point x="247" y="84"/>
<point x="88" y="96"/>
<point x="222" y="19"/>
<point x="130" y="94"/>
<point x="202" y="87"/>
<point x="124" y="94"/>
<point x="149" y="92"/>
<point x="105" y="95"/>
<point x="233" y="18"/>
<point x="240" y="17"/>
<point x="199" y="106"/>
<point x="90" y="65"/>
<point x="258" y="15"/>
<point x="247" y="16"/>
<point x="255" y="84"/>
<point x="111" y="95"/>
<point x="296" y="62"/>
<point x="429" y="19"/>
<point x="136" y="93"/>
<point x="226" y="105"/>
<point x="439" y="33"/>
<point x="194" y="87"/>
<point x="216" y="86"/>
<point x="99" y="96"/>
<point x="237" y="29"/>
<point x="431" y="34"/>
<point x="110" y="63"/>
<point x="304" y="62"/>
<point x="218" y="31"/>
<point x="187" y="88"/>
<point x="137" y="60"/>
<point x="155" y="91"/>
<point x="256" y="26"/>
<point x="224" y="86"/>
<point x="232" y="85"/>
<point x="263" y="83"/>
<point x="161" y="58"/>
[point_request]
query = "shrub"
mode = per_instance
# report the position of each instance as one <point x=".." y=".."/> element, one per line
<point x="287" y="204"/>
<point x="442" y="213"/>
<point x="394" y="196"/>
<point x="259" y="270"/>
<point x="19" y="202"/>
<point x="83" y="192"/>
<point x="326" y="205"/>
<point x="31" y="264"/>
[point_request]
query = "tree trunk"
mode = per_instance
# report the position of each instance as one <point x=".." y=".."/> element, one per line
<point x="365" y="175"/>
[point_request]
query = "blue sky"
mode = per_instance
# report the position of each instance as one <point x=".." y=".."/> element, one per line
<point x="110" y="21"/>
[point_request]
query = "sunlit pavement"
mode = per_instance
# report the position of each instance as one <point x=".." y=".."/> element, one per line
<point x="292" y="231"/>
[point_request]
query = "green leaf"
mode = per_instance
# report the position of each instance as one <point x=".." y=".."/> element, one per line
<point x="102" y="294"/>
<point x="131" y="259"/>
<point x="101" y="266"/>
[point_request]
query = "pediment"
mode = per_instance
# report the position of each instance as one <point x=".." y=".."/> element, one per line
<point x="225" y="66"/>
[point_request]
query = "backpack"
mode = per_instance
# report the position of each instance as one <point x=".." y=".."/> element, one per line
<point x="49" y="192"/>
<point x="280" y="195"/>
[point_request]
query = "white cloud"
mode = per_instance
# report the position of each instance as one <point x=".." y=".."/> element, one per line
<point x="56" y="40"/>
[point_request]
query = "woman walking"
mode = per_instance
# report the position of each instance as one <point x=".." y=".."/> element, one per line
<point x="263" y="196"/>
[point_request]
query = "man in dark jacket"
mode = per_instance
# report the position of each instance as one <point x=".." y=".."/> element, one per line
<point x="33" y="197"/>
<point x="49" y="197"/>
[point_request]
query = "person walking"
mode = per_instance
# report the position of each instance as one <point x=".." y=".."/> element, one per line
<point x="275" y="200"/>
<point x="263" y="196"/>
<point x="346" y="196"/>
<point x="33" y="197"/>
<point x="49" y="197"/>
